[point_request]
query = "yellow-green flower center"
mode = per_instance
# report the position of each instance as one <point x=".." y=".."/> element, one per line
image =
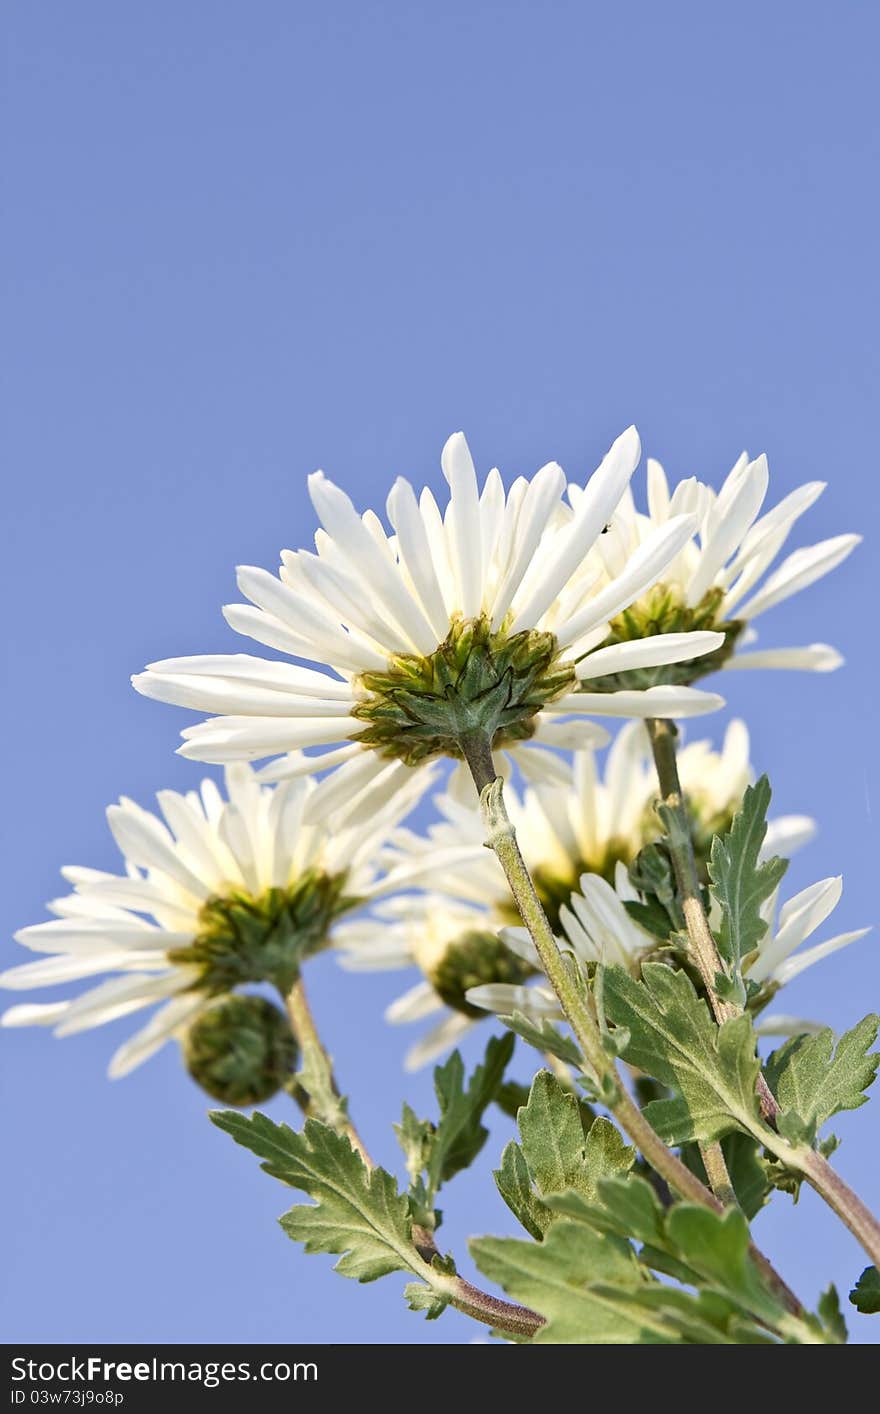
<point x="476" y="682"/>
<point x="243" y="938"/>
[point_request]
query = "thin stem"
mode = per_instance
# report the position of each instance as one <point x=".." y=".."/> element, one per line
<point x="317" y="1083"/>
<point x="319" y="1096"/>
<point x="848" y="1206"/>
<point x="718" y="1174"/>
<point x="662" y="734"/>
<point x="501" y="838"/>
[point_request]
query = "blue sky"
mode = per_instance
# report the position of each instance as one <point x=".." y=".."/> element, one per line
<point x="243" y="242"/>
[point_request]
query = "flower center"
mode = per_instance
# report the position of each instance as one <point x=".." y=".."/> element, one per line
<point x="243" y="938"/>
<point x="241" y="1050"/>
<point x="470" y="961"/>
<point x="477" y="681"/>
<point x="663" y="610"/>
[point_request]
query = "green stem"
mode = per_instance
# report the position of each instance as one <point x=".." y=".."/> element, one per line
<point x="317" y="1090"/>
<point x="318" y="1094"/>
<point x="501" y="838"/>
<point x="816" y="1170"/>
<point x="718" y="1174"/>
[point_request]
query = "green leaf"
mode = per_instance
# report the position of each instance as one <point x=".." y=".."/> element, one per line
<point x="553" y="1277"/>
<point x="357" y="1212"/>
<point x="812" y="1081"/>
<point x="558" y="1154"/>
<point x="424" y="1298"/>
<point x="865" y="1295"/>
<point x="459" y="1135"/>
<point x="552" y="1136"/>
<point x="545" y="1037"/>
<point x="673" y="1038"/>
<point x="831" y="1315"/>
<point x="739" y="883"/>
<point x="515" y="1186"/>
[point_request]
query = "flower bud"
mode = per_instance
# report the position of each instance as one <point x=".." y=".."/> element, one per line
<point x="241" y="1050"/>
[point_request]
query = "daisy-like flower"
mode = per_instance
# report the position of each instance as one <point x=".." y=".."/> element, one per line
<point x="216" y="895"/>
<point x="713" y="582"/>
<point x="576" y="824"/>
<point x="481" y="620"/>
<point x="597" y="927"/>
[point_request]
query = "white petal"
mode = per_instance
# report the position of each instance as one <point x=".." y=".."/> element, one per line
<point x="465" y="538"/>
<point x="663" y="701"/>
<point x="802" y="960"/>
<point x="594" y="509"/>
<point x="646" y="565"/>
<point x="165" y="1023"/>
<point x="816" y="658"/>
<point x="654" y="651"/>
<point x="801" y="569"/>
<point x="440" y="1039"/>
<point x="420" y="1001"/>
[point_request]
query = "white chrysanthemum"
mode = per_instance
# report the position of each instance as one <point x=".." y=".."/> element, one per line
<point x="481" y="617"/>
<point x="598" y="927"/>
<point x="570" y="825"/>
<point x="713" y="581"/>
<point x="194" y="913"/>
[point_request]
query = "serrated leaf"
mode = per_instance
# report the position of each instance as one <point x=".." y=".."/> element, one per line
<point x="459" y="1135"/>
<point x="515" y="1186"/>
<point x="559" y="1156"/>
<point x="813" y="1081"/>
<point x="740" y="884"/>
<point x="414" y="1136"/>
<point x="424" y="1298"/>
<point x="552" y="1136"/>
<point x="357" y="1212"/>
<point x="544" y="1036"/>
<point x="553" y="1277"/>
<point x="865" y="1295"/>
<point x="673" y="1038"/>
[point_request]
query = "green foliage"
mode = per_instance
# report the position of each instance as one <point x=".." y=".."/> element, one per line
<point x="813" y="1081"/>
<point x="563" y="1148"/>
<point x="831" y="1315"/>
<point x="865" y="1295"/>
<point x="357" y="1212"/>
<point x="435" y="1153"/>
<point x="739" y="883"/>
<point x="711" y="1070"/>
<point x="652" y="874"/>
<point x="545" y="1037"/>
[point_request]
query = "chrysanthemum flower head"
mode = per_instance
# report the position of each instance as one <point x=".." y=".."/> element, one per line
<point x="713" y="581"/>
<point x="477" y="620"/>
<point x="217" y="894"/>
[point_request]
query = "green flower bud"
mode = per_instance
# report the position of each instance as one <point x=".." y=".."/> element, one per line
<point x="241" y="1050"/>
<point x="469" y="961"/>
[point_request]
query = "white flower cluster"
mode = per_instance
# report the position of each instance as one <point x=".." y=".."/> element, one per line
<point x="517" y="615"/>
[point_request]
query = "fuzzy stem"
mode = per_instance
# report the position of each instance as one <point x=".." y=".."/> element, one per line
<point x="501" y="838"/>
<point x="717" y="1173"/>
<point x="319" y="1096"/>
